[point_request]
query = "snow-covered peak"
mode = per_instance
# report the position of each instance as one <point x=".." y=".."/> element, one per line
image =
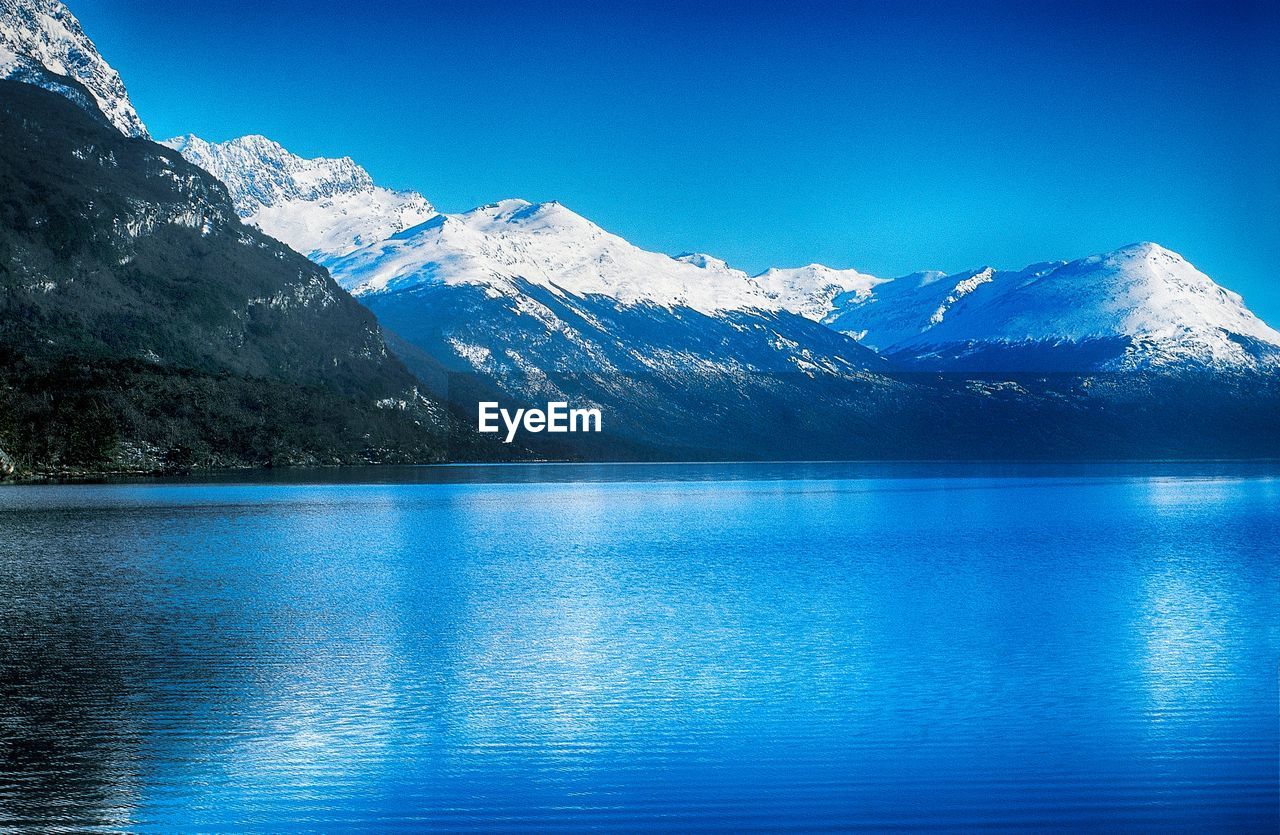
<point x="1147" y="291"/>
<point x="321" y="207"/>
<point x="538" y="218"/>
<point x="41" y="40"/>
<point x="704" y="261"/>
<point x="378" y="240"/>
<point x="260" y="173"/>
<point x="1142" y="295"/>
<point x="548" y="245"/>
<point x="1141" y="249"/>
<point x="813" y="291"/>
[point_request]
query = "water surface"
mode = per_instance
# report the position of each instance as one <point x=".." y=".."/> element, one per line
<point x="694" y="646"/>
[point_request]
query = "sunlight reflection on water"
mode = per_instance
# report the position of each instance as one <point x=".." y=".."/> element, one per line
<point x="825" y="646"/>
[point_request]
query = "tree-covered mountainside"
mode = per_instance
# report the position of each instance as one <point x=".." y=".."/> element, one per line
<point x="142" y="326"/>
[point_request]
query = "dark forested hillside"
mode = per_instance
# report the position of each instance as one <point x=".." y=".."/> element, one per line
<point x="143" y="327"/>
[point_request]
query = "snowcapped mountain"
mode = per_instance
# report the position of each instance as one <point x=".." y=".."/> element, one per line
<point x="686" y="356"/>
<point x="380" y="240"/>
<point x="537" y="303"/>
<point x="323" y="208"/>
<point x="554" y="266"/>
<point x="815" y="291"/>
<point x="548" y="245"/>
<point x="42" y="43"/>
<point x="1139" y="307"/>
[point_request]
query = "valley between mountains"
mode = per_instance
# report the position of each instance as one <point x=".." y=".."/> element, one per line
<point x="195" y="304"/>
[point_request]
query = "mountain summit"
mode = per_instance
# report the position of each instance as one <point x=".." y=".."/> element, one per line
<point x="42" y="43"/>
<point x="1141" y="306"/>
<point x="321" y="207"/>
<point x="506" y="244"/>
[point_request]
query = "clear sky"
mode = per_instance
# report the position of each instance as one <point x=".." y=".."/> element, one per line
<point x="889" y="136"/>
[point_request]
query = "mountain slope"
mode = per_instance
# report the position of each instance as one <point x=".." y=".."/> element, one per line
<point x="321" y="207"/>
<point x="1140" y="307"/>
<point x="543" y="244"/>
<point x="140" y="318"/>
<point x="538" y="304"/>
<point x="42" y="43"/>
<point x="671" y="381"/>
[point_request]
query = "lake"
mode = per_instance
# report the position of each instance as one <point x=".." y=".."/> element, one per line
<point x="810" y="646"/>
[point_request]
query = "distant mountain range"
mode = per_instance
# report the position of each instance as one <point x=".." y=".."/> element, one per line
<point x="691" y="357"/>
<point x="686" y="355"/>
<point x="1141" y="306"/>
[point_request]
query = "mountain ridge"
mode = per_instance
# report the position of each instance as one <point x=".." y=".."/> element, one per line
<point x="331" y="210"/>
<point x="1152" y="306"/>
<point x="691" y="356"/>
<point x="323" y="207"/>
<point x="550" y="245"/>
<point x="42" y="43"/>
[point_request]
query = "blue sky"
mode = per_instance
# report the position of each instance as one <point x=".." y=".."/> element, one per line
<point x="888" y="137"/>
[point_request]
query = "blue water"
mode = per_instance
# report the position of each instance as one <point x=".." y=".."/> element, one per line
<point x="734" y="647"/>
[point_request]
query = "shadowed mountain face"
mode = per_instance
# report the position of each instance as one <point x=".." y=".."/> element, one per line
<point x="671" y="382"/>
<point x="679" y="384"/>
<point x="141" y="324"/>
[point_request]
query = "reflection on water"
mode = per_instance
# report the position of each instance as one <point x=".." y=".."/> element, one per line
<point x="822" y="646"/>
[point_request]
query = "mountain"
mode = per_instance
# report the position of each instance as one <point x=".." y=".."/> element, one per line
<point x="331" y="208"/>
<point x="142" y="325"/>
<point x="322" y="208"/>
<point x="688" y="358"/>
<point x="1141" y="307"/>
<point x="42" y="43"/>
<point x="815" y="291"/>
<point x="548" y="246"/>
<point x="537" y="303"/>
